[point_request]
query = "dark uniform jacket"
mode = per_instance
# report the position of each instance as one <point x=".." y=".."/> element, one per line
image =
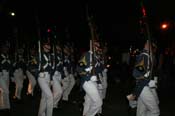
<point x="59" y="63"/>
<point x="142" y="66"/>
<point x="46" y="63"/>
<point x="67" y="63"/>
<point x="32" y="66"/>
<point x="84" y="63"/>
<point x="5" y="62"/>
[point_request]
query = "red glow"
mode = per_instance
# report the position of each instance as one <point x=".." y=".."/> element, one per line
<point x="48" y="30"/>
<point x="143" y="11"/>
<point x="164" y="26"/>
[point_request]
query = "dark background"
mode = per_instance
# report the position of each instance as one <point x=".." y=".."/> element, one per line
<point x="117" y="22"/>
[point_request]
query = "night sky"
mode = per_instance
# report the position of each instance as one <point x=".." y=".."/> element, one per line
<point x="117" y="22"/>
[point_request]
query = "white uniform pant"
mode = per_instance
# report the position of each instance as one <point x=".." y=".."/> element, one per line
<point x="46" y="102"/>
<point x="93" y="101"/>
<point x="19" y="79"/>
<point x="31" y="84"/>
<point x="68" y="84"/>
<point x="100" y="90"/>
<point x="56" y="88"/>
<point x="104" y="83"/>
<point x="4" y="85"/>
<point x="147" y="104"/>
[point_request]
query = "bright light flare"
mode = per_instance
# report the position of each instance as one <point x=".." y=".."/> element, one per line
<point x="109" y="58"/>
<point x="12" y="14"/>
<point x="108" y="66"/>
<point x="164" y="26"/>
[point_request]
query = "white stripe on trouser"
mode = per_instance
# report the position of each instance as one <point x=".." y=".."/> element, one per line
<point x="19" y="79"/>
<point x="32" y="82"/>
<point x="57" y="89"/>
<point x="147" y="104"/>
<point x="4" y="85"/>
<point x="68" y="84"/>
<point x="93" y="102"/>
<point x="46" y="102"/>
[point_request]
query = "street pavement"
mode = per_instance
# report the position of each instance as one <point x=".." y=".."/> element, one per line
<point x="115" y="103"/>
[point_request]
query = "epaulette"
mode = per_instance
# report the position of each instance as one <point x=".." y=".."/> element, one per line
<point x="140" y="66"/>
<point x="81" y="64"/>
<point x="83" y="61"/>
<point x="83" y="73"/>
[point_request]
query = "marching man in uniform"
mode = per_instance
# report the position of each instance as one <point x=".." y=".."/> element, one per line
<point x="104" y="72"/>
<point x="31" y="72"/>
<point x="57" y="76"/>
<point x="69" y="80"/>
<point x="144" y="92"/>
<point x="19" y="76"/>
<point x="93" y="100"/>
<point x="5" y="67"/>
<point x="45" y="82"/>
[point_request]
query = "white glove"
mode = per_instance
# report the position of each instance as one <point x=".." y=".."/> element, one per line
<point x="156" y="79"/>
<point x="152" y="84"/>
<point x="105" y="70"/>
<point x="88" y="69"/>
<point x="133" y="103"/>
<point x="91" y="52"/>
<point x="93" y="78"/>
<point x="41" y="74"/>
<point x="64" y="68"/>
<point x="147" y="74"/>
